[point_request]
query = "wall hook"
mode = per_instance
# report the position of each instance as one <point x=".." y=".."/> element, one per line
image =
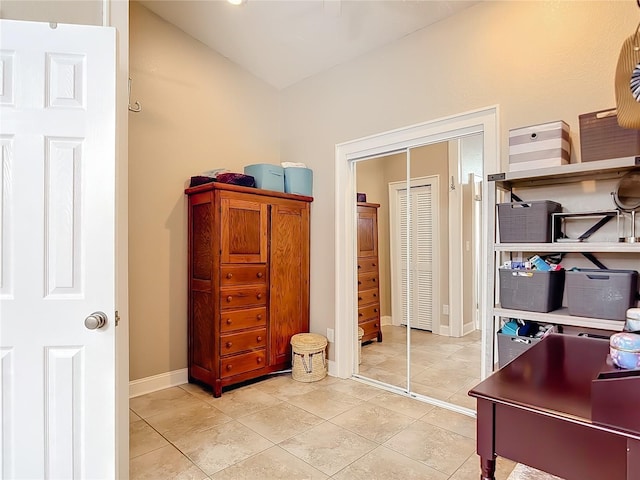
<point x="136" y="107"/>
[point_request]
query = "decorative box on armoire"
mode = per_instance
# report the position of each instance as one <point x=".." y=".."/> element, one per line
<point x="248" y="281"/>
<point x="368" y="272"/>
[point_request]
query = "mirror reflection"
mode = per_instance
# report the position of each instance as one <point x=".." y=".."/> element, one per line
<point x="418" y="269"/>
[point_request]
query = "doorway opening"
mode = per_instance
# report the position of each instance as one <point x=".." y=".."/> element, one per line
<point x="483" y="122"/>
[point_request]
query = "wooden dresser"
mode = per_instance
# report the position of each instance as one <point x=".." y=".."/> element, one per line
<point x="368" y="272"/>
<point x="248" y="281"/>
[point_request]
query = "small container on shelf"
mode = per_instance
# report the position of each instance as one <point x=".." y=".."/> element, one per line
<point x="604" y="294"/>
<point x="531" y="290"/>
<point x="539" y="146"/>
<point x="624" y="348"/>
<point x="601" y="137"/>
<point x="527" y="222"/>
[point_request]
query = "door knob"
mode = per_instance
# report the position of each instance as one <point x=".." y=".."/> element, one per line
<point x="95" y="320"/>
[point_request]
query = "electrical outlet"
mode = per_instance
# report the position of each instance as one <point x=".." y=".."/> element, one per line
<point x="330" y="335"/>
<point x="445" y="309"/>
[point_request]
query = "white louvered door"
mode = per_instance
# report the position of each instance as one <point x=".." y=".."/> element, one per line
<point x="420" y="240"/>
<point x="57" y="192"/>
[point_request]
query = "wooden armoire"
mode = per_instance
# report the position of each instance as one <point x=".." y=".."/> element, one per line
<point x="248" y="281"/>
<point x="368" y="272"/>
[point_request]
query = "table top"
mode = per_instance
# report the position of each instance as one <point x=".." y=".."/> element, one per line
<point x="554" y="376"/>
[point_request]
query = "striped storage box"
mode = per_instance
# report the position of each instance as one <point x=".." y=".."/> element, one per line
<point x="539" y="146"/>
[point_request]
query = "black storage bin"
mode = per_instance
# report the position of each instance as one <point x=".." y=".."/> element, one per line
<point x="531" y="290"/>
<point x="603" y="294"/>
<point x="526" y="222"/>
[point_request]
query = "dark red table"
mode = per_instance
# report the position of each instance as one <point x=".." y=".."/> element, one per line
<point x="537" y="410"/>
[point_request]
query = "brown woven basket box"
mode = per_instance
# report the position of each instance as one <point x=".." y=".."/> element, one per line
<point x="601" y="138"/>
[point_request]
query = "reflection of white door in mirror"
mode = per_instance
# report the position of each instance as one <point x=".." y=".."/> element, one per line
<point x="414" y="293"/>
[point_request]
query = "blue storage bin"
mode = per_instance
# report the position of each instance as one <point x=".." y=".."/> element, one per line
<point x="268" y="177"/>
<point x="298" y="180"/>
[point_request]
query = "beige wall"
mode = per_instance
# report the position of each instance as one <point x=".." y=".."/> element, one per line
<point x="199" y="112"/>
<point x="83" y="12"/>
<point x="540" y="61"/>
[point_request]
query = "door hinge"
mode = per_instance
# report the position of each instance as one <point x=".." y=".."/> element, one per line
<point x="117" y="318"/>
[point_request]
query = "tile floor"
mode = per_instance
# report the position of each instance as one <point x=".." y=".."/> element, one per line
<point x="279" y="428"/>
<point x="444" y="368"/>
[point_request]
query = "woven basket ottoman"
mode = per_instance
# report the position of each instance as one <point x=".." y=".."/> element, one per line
<point x="308" y="357"/>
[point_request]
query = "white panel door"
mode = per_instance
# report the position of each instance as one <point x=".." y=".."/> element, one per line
<point x="57" y="139"/>
<point x="415" y="246"/>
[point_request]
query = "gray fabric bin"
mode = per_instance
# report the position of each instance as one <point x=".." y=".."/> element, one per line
<point x="510" y="346"/>
<point x="603" y="294"/>
<point x="526" y="222"/>
<point x="531" y="290"/>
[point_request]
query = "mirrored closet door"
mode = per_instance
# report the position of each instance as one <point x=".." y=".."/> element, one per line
<point x="427" y="201"/>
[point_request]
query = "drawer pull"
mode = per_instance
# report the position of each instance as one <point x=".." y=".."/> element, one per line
<point x="359" y="266"/>
<point x="229" y="321"/>
<point x="229" y="366"/>
<point x="229" y="298"/>
<point x="373" y="264"/>
<point x="259" y="339"/>
<point x="359" y="282"/>
<point x="259" y="316"/>
<point x="229" y="275"/>
<point x="259" y="359"/>
<point x="259" y="296"/>
<point x="359" y="314"/>
<point x="259" y="274"/>
<point x="359" y="298"/>
<point x="375" y="310"/>
<point x="373" y="280"/>
<point x="376" y="325"/>
<point x="375" y="295"/>
<point x="229" y="344"/>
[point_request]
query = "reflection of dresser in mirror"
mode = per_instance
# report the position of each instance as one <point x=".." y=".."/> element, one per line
<point x="368" y="272"/>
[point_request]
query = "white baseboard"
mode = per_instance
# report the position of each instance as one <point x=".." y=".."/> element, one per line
<point x="386" y="320"/>
<point x="445" y="330"/>
<point x="331" y="368"/>
<point x="158" y="382"/>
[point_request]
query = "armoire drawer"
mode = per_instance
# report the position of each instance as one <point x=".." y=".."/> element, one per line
<point x="234" y="297"/>
<point x="372" y="327"/>
<point x="240" y="342"/>
<point x="368" y="296"/>
<point x="367" y="281"/>
<point x="241" y="319"/>
<point x="367" y="264"/>
<point x="370" y="312"/>
<point x="242" y="274"/>
<point x="245" y="362"/>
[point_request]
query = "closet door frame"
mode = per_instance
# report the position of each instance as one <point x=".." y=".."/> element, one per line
<point x="484" y="121"/>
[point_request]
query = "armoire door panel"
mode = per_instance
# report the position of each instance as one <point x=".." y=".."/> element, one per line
<point x="289" y="266"/>
<point x="244" y="231"/>
<point x="367" y="231"/>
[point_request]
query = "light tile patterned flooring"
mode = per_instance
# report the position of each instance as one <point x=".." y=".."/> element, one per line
<point x="279" y="428"/>
<point x="444" y="368"/>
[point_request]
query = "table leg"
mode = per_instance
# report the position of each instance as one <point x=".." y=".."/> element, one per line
<point x="487" y="468"/>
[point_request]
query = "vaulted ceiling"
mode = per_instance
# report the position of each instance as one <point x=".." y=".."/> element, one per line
<point x="285" y="41"/>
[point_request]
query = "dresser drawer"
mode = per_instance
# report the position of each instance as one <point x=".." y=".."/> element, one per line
<point x="367" y="264"/>
<point x="241" y="319"/>
<point x="368" y="296"/>
<point x="234" y="297"/>
<point x="367" y="281"/>
<point x="242" y="274"/>
<point x="245" y="362"/>
<point x="370" y="312"/>
<point x="371" y="328"/>
<point x="240" y="342"/>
